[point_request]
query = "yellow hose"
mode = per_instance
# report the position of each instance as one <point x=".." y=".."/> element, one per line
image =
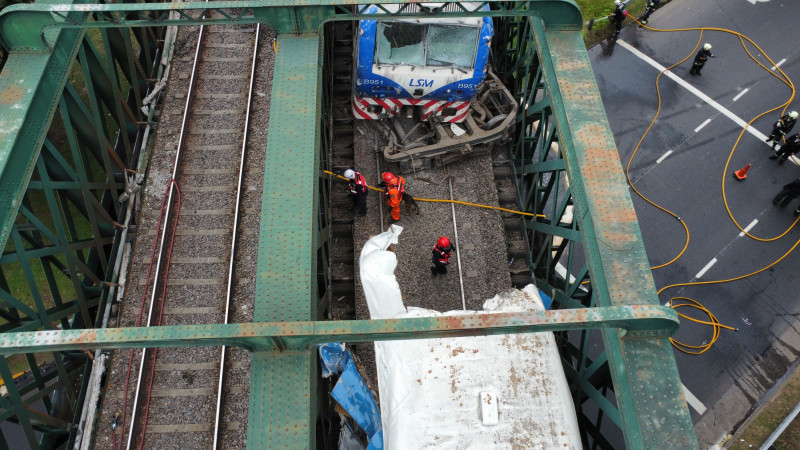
<point x="713" y="322"/>
<point x="456" y="202"/>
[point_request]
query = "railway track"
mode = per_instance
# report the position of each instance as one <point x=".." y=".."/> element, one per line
<point x="191" y="270"/>
<point x="492" y="247"/>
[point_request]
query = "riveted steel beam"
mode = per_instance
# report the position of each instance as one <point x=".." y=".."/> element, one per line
<point x="300" y="16"/>
<point x="301" y="335"/>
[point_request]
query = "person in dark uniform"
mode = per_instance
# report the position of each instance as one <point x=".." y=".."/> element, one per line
<point x="358" y="189"/>
<point x="441" y="256"/>
<point x="789" y="192"/>
<point x="788" y="149"/>
<point x="619" y="15"/>
<point x="781" y="127"/>
<point x="652" y="5"/>
<point x="700" y="59"/>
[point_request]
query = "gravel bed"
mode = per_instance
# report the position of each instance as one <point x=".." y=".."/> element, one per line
<point x="159" y="172"/>
<point x="481" y="235"/>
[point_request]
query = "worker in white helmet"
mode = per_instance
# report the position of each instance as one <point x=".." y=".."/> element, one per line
<point x="619" y="15"/>
<point x="358" y="189"/>
<point x="781" y="127"/>
<point x="700" y="59"/>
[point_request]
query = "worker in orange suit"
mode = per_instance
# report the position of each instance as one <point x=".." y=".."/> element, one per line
<point x="393" y="199"/>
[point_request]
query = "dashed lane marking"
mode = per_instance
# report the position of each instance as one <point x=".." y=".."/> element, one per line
<point x="663" y="157"/>
<point x="740" y="94"/>
<point x="748" y="228"/>
<point x="702" y="125"/>
<point x="779" y="64"/>
<point x="705" y="269"/>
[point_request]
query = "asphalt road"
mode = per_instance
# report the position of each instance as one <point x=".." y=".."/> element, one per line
<point x="681" y="166"/>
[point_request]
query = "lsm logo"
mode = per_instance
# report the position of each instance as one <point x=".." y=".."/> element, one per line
<point x="420" y="83"/>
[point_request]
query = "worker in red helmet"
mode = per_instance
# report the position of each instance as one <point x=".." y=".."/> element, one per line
<point x="441" y="256"/>
<point x="391" y="181"/>
<point x="392" y="194"/>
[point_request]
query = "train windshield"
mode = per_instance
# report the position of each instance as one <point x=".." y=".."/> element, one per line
<point x="426" y="45"/>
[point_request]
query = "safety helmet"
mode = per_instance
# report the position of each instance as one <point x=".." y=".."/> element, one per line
<point x="793" y="114"/>
<point x="389" y="178"/>
<point x="443" y="242"/>
<point x="707" y="46"/>
<point x="617" y="2"/>
<point x="349" y="173"/>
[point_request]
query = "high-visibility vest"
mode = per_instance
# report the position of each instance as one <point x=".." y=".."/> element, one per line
<point x="359" y="180"/>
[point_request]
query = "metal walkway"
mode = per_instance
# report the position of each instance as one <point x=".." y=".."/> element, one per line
<point x="58" y="263"/>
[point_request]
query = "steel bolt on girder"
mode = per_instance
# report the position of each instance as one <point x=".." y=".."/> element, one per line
<point x="660" y="320"/>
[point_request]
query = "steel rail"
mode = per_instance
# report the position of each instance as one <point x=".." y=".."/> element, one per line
<point x="163" y="235"/>
<point x="223" y="349"/>
<point x="458" y="252"/>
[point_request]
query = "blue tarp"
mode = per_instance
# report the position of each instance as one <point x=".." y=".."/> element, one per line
<point x="354" y="396"/>
<point x="351" y="392"/>
<point x="547" y="301"/>
<point x="334" y="357"/>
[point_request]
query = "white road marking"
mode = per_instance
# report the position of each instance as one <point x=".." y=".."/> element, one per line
<point x="663" y="157"/>
<point x="724" y="111"/>
<point x="740" y="94"/>
<point x="693" y="401"/>
<point x="749" y="227"/>
<point x="705" y="269"/>
<point x="702" y="125"/>
<point x="779" y="64"/>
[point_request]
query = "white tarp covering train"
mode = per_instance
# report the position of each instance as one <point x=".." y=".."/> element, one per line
<point x="481" y="392"/>
<point x="429" y="84"/>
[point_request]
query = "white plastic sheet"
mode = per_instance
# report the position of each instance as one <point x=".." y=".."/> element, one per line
<point x="437" y="393"/>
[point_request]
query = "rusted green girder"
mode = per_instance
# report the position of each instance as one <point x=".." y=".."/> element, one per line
<point x="301" y="16"/>
<point x="650" y="320"/>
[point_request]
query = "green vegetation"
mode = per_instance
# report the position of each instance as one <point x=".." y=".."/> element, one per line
<point x="769" y="417"/>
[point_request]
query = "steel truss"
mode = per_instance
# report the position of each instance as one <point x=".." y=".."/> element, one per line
<point x="587" y="253"/>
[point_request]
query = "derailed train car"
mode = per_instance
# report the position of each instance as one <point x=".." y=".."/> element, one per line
<point x="429" y="84"/>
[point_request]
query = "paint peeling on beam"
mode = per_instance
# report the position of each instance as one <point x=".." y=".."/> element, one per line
<point x="644" y="319"/>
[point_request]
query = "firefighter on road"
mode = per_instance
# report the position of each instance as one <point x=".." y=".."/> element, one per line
<point x="788" y="149"/>
<point x="781" y="127"/>
<point x="441" y="256"/>
<point x="700" y="59"/>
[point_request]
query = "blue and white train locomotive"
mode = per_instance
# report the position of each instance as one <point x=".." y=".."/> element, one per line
<point x="431" y="71"/>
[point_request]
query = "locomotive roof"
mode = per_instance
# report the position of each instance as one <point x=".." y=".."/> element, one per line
<point x="415" y="7"/>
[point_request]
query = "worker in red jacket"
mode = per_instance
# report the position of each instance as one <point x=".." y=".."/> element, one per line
<point x="358" y="190"/>
<point x="441" y="256"/>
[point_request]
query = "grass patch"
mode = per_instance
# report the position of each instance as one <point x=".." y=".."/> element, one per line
<point x="599" y="9"/>
<point x="769" y="417"/>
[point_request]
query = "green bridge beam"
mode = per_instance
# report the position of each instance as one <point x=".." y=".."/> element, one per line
<point x="301" y="16"/>
<point x="44" y="39"/>
<point x="257" y="337"/>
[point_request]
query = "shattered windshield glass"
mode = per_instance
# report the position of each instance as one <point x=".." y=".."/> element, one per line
<point x="404" y="43"/>
<point x="400" y="43"/>
<point x="451" y="46"/>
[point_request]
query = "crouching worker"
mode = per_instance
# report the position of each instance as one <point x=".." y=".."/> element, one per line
<point x="441" y="256"/>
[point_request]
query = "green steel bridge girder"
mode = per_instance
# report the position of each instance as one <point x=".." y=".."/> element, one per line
<point x="29" y="27"/>
<point x="652" y="411"/>
<point x="635" y="321"/>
